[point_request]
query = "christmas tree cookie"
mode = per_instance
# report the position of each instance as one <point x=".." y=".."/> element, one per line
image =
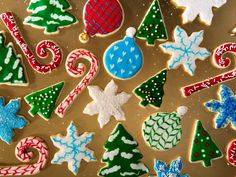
<point x="203" y="148"/>
<point x="152" y="91"/>
<point x="43" y="101"/>
<point x="162" y="131"/>
<point x="12" y="71"/>
<point x="152" y="27"/>
<point x="122" y="156"/>
<point x="50" y="15"/>
<point x="123" y="59"/>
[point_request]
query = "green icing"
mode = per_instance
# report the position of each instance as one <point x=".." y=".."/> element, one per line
<point x="152" y="91"/>
<point x="43" y="101"/>
<point x="49" y="14"/>
<point x="11" y="68"/>
<point x="122" y="156"/>
<point x="152" y="26"/>
<point x="203" y="148"/>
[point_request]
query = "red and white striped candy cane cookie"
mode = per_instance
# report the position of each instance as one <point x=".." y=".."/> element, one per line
<point x="78" y="72"/>
<point x="231" y="153"/>
<point x="9" y="21"/>
<point x="23" y="155"/>
<point x="220" y="62"/>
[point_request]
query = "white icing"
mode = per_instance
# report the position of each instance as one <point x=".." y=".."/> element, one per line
<point x="20" y="72"/>
<point x="16" y="63"/>
<point x="126" y="155"/>
<point x="111" y="170"/>
<point x="135" y="150"/>
<point x="56" y="3"/>
<point x="1" y="39"/>
<point x="8" y="77"/>
<point x="8" y="56"/>
<point x="33" y="19"/>
<point x="0" y="68"/>
<point x="126" y="141"/>
<point x="51" y="22"/>
<point x="130" y="32"/>
<point x="127" y="173"/>
<point x="139" y="166"/>
<point x="182" y="110"/>
<point x="61" y="17"/>
<point x="112" y="137"/>
<point x="38" y="9"/>
<point x="110" y="155"/>
<point x="34" y="1"/>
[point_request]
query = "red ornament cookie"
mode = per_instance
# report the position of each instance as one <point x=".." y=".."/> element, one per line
<point x="231" y="153"/>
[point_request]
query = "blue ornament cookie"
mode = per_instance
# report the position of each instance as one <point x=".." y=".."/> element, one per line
<point x="123" y="59"/>
<point x="9" y="120"/>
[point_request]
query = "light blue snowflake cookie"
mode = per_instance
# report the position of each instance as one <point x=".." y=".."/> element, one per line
<point x="123" y="59"/>
<point x="185" y="50"/>
<point x="225" y="108"/>
<point x="9" y="120"/>
<point x="72" y="148"/>
<point x="174" y="170"/>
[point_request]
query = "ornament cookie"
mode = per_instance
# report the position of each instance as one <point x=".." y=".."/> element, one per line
<point x="41" y="48"/>
<point x="152" y="91"/>
<point x="225" y="108"/>
<point x="101" y="18"/>
<point x="231" y="153"/>
<point x="123" y="59"/>
<point x="9" y="120"/>
<point x="72" y="148"/>
<point x="12" y="71"/>
<point x="174" y="170"/>
<point x="106" y="103"/>
<point x="185" y="50"/>
<point x="163" y="131"/>
<point x="78" y="72"/>
<point x="201" y="8"/>
<point x="49" y="15"/>
<point x="220" y="62"/>
<point x="23" y="154"/>
<point x="43" y="102"/>
<point x="122" y="157"/>
<point x="152" y="27"/>
<point x="203" y="148"/>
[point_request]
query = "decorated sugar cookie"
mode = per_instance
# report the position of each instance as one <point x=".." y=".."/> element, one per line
<point x="123" y="59"/>
<point x="12" y="71"/>
<point x="201" y="8"/>
<point x="50" y="15"/>
<point x="122" y="157"/>
<point x="101" y="18"/>
<point x="225" y="108"/>
<point x="203" y="148"/>
<point x="106" y="103"/>
<point x="174" y="170"/>
<point x="231" y="153"/>
<point x="185" y="50"/>
<point x="9" y="120"/>
<point x="152" y="27"/>
<point x="43" y="102"/>
<point x="24" y="154"/>
<point x="72" y="148"/>
<point x="152" y="91"/>
<point x="162" y="131"/>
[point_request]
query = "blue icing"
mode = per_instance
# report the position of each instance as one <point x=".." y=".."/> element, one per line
<point x="9" y="120"/>
<point x="123" y="59"/>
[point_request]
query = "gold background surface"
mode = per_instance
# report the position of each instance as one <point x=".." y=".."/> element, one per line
<point x="154" y="61"/>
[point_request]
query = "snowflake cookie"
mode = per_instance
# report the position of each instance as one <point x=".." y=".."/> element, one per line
<point x="106" y="103"/>
<point x="201" y="8"/>
<point x="9" y="120"/>
<point x="174" y="170"/>
<point x="225" y="108"/>
<point x="185" y="50"/>
<point x="72" y="148"/>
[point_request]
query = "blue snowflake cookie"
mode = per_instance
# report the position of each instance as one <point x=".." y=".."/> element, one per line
<point x="9" y="119"/>
<point x="225" y="108"/>
<point x="123" y="59"/>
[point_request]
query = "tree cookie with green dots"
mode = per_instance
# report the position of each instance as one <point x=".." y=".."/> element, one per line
<point x="43" y="102"/>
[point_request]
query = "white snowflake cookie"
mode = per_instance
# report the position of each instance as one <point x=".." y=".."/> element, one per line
<point x="185" y="50"/>
<point x="106" y="103"/>
<point x="201" y="8"/>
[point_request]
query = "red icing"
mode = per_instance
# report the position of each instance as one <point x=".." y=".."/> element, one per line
<point x="206" y="144"/>
<point x="221" y="63"/>
<point x="203" y="133"/>
<point x="9" y="21"/>
<point x="196" y="154"/>
<point x="102" y="16"/>
<point x="196" y="141"/>
<point x="78" y="72"/>
<point x="25" y="156"/>
<point x="211" y="153"/>
<point x="231" y="153"/>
